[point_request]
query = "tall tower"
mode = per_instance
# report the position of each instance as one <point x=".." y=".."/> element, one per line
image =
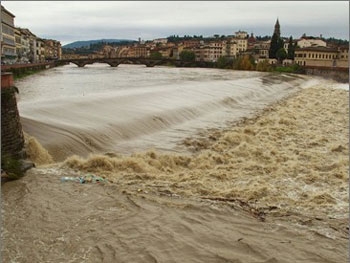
<point x="277" y="29"/>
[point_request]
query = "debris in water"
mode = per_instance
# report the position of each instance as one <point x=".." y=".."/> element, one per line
<point x="89" y="178"/>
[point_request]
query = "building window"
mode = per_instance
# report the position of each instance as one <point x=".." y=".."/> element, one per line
<point x="7" y="30"/>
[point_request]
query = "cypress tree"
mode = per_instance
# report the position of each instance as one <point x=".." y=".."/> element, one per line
<point x="291" y="48"/>
<point x="273" y="46"/>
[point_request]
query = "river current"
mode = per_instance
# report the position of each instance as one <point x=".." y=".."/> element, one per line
<point x="100" y="109"/>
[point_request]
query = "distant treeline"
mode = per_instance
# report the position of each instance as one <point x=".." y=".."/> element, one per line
<point x="336" y="41"/>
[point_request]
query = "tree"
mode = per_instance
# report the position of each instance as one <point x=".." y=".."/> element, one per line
<point x="276" y="44"/>
<point x="155" y="55"/>
<point x="187" y="55"/>
<point x="264" y="66"/>
<point x="291" y="48"/>
<point x="281" y="54"/>
<point x="264" y="38"/>
<point x="244" y="63"/>
<point x="224" y="62"/>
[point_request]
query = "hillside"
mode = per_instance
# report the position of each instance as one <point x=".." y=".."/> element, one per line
<point x="86" y="43"/>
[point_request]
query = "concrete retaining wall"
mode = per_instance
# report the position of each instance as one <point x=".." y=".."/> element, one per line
<point x="337" y="74"/>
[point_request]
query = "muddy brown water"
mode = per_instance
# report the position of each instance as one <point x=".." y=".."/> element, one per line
<point x="153" y="211"/>
<point x="50" y="221"/>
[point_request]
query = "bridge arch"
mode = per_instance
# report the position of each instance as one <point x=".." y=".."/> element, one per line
<point x="114" y="62"/>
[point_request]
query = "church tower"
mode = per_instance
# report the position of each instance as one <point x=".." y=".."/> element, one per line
<point x="277" y="29"/>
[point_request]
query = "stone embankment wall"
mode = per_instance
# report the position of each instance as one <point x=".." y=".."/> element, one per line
<point x="12" y="139"/>
<point x="337" y="74"/>
<point x="18" y="69"/>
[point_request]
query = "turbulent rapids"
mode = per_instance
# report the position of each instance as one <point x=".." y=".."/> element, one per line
<point x="133" y="108"/>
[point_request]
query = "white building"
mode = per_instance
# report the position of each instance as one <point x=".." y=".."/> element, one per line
<point x="160" y="41"/>
<point x="311" y="42"/>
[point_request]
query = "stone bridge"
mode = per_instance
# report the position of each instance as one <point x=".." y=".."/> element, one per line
<point x="114" y="62"/>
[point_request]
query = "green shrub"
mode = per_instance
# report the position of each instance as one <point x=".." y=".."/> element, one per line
<point x="244" y="63"/>
<point x="264" y="66"/>
<point x="295" y="68"/>
<point x="12" y="167"/>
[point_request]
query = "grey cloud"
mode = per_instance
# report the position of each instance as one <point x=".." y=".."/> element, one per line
<point x="74" y="20"/>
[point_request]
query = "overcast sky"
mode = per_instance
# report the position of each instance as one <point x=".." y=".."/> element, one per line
<point x="69" y="21"/>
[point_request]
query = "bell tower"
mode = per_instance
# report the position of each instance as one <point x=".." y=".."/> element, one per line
<point x="277" y="29"/>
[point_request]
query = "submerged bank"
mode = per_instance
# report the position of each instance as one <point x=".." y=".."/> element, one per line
<point x="287" y="166"/>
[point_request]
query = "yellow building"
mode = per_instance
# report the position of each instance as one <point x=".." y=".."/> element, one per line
<point x="321" y="57"/>
<point x="210" y="52"/>
<point x="8" y="43"/>
<point x="229" y="49"/>
<point x="343" y="57"/>
<point x="52" y="49"/>
<point x="141" y="51"/>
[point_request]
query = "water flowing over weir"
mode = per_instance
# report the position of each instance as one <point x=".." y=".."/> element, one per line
<point x="99" y="109"/>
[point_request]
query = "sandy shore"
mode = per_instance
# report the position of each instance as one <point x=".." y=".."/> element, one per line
<point x="273" y="188"/>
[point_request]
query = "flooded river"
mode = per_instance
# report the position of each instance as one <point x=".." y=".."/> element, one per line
<point x="195" y="165"/>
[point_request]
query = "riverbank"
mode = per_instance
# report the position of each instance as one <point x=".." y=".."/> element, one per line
<point x="23" y="70"/>
<point x="273" y="188"/>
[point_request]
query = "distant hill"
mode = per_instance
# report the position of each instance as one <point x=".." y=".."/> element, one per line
<point x="86" y="43"/>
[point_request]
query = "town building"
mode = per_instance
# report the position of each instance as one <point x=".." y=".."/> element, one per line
<point x="52" y="49"/>
<point x="251" y="41"/>
<point x="316" y="56"/>
<point x="19" y="45"/>
<point x="139" y="51"/>
<point x="39" y="50"/>
<point x="25" y="53"/>
<point x="241" y="38"/>
<point x="109" y="51"/>
<point x="343" y="57"/>
<point x="8" y="42"/>
<point x="160" y="41"/>
<point x="195" y="43"/>
<point x="263" y="48"/>
<point x="235" y="45"/>
<point x="122" y="51"/>
<point x="306" y="41"/>
<point x="241" y="34"/>
<point x="229" y="49"/>
<point x="209" y="52"/>
<point x="18" y="42"/>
